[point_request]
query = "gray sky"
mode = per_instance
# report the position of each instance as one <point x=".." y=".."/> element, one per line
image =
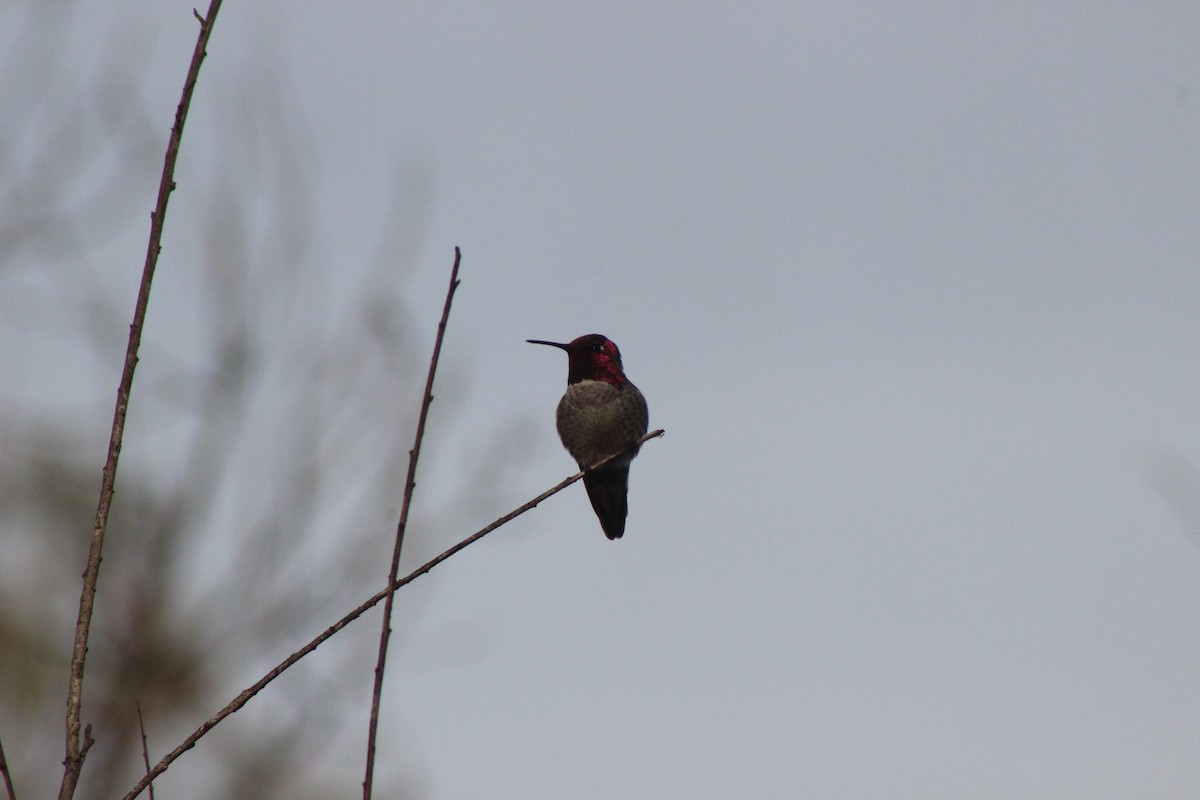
<point x="912" y="289"/>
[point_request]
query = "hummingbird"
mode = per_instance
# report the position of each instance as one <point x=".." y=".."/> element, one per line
<point x="602" y="413"/>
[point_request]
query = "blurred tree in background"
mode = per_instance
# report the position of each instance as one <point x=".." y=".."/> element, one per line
<point x="266" y="443"/>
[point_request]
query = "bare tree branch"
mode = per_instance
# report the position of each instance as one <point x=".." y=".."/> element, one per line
<point x="410" y="483"/>
<point x="145" y="746"/>
<point x="8" y="785"/>
<point x="238" y="702"/>
<point x="75" y="753"/>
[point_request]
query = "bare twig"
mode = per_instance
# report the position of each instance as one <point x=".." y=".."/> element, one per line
<point x="145" y="747"/>
<point x="75" y="753"/>
<point x="238" y="702"/>
<point x="410" y="483"/>
<point x="8" y="785"/>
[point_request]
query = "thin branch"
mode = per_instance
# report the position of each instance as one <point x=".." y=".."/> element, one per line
<point x="145" y="747"/>
<point x="238" y="702"/>
<point x="410" y="483"/>
<point x="73" y="763"/>
<point x="8" y="784"/>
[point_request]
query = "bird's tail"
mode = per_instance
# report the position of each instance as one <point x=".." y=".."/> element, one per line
<point x="608" y="489"/>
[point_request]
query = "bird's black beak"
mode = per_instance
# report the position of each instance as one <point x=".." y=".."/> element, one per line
<point x="552" y="344"/>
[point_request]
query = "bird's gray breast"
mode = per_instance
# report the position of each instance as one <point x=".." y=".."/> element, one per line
<point x="597" y="419"/>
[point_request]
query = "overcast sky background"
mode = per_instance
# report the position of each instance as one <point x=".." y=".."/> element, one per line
<point x="914" y="291"/>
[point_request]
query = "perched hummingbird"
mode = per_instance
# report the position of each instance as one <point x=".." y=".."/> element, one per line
<point x="602" y="413"/>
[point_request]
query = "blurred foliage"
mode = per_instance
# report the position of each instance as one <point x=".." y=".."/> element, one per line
<point x="266" y="444"/>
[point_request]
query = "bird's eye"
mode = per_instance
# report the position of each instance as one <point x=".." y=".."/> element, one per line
<point x="597" y="348"/>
